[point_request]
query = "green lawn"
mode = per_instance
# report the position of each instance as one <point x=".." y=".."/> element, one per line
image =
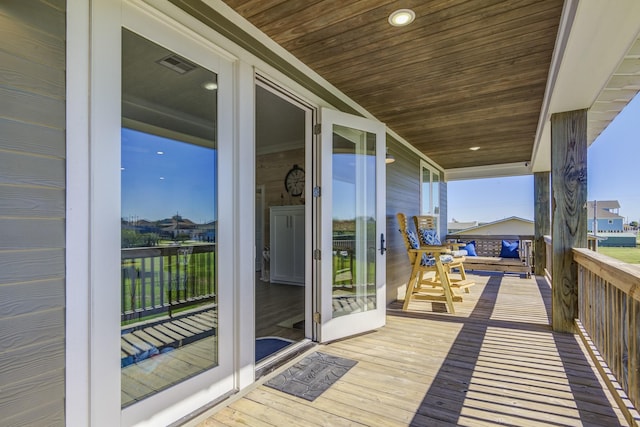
<point x="628" y="255"/>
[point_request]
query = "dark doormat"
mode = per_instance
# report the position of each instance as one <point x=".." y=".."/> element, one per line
<point x="266" y="346"/>
<point x="311" y="376"/>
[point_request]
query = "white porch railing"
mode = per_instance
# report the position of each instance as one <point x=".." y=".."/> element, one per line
<point x="160" y="279"/>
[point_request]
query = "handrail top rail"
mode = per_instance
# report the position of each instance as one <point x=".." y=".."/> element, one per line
<point x="547" y="238"/>
<point x="155" y="251"/>
<point x="620" y="274"/>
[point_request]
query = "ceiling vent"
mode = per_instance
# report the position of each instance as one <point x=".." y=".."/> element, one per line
<point x="177" y="64"/>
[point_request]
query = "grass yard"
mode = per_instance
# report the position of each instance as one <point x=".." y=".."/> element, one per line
<point x="628" y="255"/>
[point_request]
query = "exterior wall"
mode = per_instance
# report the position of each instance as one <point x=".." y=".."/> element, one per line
<point x="32" y="212"/>
<point x="403" y="195"/>
<point x="627" y="240"/>
<point x="604" y="225"/>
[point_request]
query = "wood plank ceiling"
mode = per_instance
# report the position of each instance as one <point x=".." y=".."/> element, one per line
<point x="466" y="73"/>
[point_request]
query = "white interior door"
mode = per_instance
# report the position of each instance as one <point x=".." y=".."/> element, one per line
<point x="352" y="290"/>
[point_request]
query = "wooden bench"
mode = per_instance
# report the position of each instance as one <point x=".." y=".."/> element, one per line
<point x="488" y="249"/>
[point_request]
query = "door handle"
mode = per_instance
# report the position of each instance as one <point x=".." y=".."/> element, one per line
<point x="383" y="249"/>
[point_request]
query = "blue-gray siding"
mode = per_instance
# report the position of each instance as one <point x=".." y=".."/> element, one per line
<point x="403" y="195"/>
<point x="606" y="224"/>
<point x="32" y="212"/>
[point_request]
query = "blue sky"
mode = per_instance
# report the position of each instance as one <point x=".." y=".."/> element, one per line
<point x="161" y="176"/>
<point x="612" y="161"/>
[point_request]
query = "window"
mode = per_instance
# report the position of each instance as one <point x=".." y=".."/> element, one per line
<point x="429" y="191"/>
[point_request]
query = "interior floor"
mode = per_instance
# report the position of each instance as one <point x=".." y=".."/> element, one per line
<point x="279" y="310"/>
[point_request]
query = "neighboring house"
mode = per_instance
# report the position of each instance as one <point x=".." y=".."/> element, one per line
<point x="455" y="226"/>
<point x="512" y="226"/>
<point x="610" y="228"/>
<point x="605" y="213"/>
<point x="617" y="239"/>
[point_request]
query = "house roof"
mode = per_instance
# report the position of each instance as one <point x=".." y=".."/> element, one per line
<point x="457" y="225"/>
<point x="603" y="211"/>
<point x="464" y="74"/>
<point x="488" y="227"/>
<point x="603" y="204"/>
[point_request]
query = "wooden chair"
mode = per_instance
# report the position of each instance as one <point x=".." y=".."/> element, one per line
<point x="428" y="235"/>
<point x="430" y="276"/>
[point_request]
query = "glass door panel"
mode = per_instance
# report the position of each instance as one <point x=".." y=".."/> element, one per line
<point x="353" y="190"/>
<point x="354" y="221"/>
<point x="169" y="162"/>
<point x="430" y="192"/>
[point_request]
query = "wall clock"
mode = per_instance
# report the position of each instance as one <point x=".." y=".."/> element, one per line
<point x="294" y="181"/>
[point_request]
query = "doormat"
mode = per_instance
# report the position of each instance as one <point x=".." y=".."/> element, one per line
<point x="266" y="346"/>
<point x="311" y="376"/>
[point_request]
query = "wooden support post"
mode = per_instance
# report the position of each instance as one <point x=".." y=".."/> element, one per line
<point x="542" y="220"/>
<point x="569" y="212"/>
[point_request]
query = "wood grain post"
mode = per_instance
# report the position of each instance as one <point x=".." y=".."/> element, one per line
<point x="542" y="220"/>
<point x="569" y="212"/>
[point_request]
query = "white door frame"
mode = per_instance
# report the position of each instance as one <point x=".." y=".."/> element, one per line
<point x="310" y="114"/>
<point x="194" y="393"/>
<point x="92" y="387"/>
<point x="334" y="328"/>
<point x="93" y="221"/>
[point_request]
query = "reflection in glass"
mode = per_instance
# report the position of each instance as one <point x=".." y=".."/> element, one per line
<point x="435" y="194"/>
<point x="426" y="192"/>
<point x="354" y="221"/>
<point x="168" y="223"/>
<point x="430" y="193"/>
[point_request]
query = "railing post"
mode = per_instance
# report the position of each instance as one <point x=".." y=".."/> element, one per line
<point x="569" y="212"/>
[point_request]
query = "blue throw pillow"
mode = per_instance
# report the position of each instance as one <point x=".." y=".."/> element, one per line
<point x="413" y="239"/>
<point x="427" y="261"/>
<point x="470" y="247"/>
<point x="430" y="237"/>
<point x="509" y="249"/>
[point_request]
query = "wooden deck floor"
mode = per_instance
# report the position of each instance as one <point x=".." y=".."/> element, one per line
<point x="496" y="362"/>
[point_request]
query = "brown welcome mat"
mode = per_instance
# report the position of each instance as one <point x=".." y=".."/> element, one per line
<point x="311" y="376"/>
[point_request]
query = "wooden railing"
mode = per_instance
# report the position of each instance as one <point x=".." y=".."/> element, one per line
<point x="609" y="313"/>
<point x="592" y="244"/>
<point x="158" y="279"/>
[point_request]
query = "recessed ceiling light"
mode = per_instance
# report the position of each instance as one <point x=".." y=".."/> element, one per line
<point x="210" y="85"/>
<point x="402" y="17"/>
<point x="474" y="148"/>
